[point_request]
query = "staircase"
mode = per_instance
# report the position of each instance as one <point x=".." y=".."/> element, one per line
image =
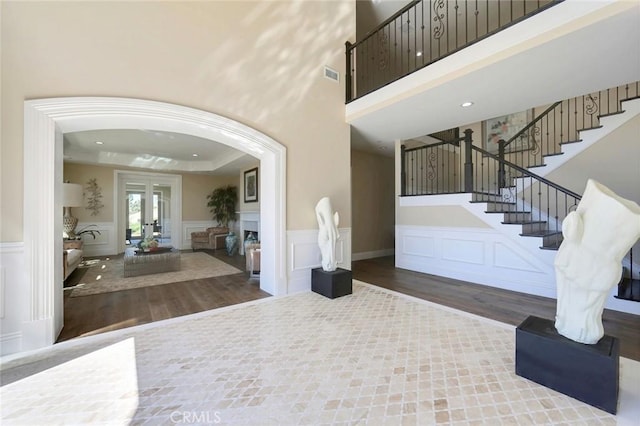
<point x="504" y="184"/>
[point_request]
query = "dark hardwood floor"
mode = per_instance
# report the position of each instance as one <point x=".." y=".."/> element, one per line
<point x="88" y="315"/>
<point x="98" y="313"/>
<point x="497" y="304"/>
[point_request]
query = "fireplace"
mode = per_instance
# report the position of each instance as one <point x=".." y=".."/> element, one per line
<point x="249" y="222"/>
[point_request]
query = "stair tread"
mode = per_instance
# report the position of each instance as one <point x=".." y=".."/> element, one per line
<point x="629" y="289"/>
<point x="609" y="114"/>
<point x="554" y="248"/>
<point x="524" y="222"/>
<point x="573" y="141"/>
<point x="492" y="201"/>
<point x="544" y="233"/>
<point x="508" y="212"/>
<point x="553" y="154"/>
<point x="590" y="128"/>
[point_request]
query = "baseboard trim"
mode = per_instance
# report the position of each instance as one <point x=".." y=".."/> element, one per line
<point x="372" y="254"/>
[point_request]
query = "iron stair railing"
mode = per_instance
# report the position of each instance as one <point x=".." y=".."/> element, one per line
<point x="425" y="31"/>
<point x="524" y="198"/>
<point x="562" y="122"/>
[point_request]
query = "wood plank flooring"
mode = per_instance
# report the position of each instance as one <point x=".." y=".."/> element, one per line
<point x="110" y="311"/>
<point x="497" y="304"/>
<point x="87" y="315"/>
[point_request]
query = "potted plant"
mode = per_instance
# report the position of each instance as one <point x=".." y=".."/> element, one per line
<point x="222" y="203"/>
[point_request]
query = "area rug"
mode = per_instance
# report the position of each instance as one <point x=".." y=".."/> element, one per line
<point x="108" y="275"/>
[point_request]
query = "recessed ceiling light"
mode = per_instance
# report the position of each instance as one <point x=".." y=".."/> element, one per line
<point x="466" y="104"/>
<point x="419" y="53"/>
<point x="194" y="155"/>
<point x="99" y="143"/>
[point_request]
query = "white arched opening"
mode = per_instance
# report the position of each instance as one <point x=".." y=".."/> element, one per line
<point x="46" y="120"/>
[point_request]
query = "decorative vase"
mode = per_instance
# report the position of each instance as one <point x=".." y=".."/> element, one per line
<point x="231" y="243"/>
<point x="251" y="239"/>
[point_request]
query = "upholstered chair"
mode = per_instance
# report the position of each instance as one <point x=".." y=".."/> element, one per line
<point x="212" y="238"/>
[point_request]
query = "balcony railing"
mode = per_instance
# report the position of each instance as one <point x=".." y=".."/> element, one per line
<point x="425" y="31"/>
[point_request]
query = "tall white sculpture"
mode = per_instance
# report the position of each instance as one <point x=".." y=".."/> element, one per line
<point x="328" y="235"/>
<point x="589" y="262"/>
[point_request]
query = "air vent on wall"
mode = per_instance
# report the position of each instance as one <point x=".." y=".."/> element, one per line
<point x="331" y="74"/>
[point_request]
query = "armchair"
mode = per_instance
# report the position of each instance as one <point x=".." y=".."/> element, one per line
<point x="212" y="238"/>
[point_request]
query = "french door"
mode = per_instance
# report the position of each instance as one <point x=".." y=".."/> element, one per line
<point x="149" y="207"/>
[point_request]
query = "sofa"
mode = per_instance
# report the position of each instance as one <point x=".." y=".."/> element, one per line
<point x="212" y="238"/>
<point x="72" y="256"/>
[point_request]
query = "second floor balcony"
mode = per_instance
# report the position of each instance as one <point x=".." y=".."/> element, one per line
<point x="572" y="48"/>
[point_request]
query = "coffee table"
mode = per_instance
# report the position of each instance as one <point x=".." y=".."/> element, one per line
<point x="137" y="262"/>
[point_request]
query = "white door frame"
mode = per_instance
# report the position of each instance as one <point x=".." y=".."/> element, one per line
<point x="45" y="120"/>
<point x="175" y="181"/>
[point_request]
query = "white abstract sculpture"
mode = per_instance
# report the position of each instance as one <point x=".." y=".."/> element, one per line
<point x="328" y="222"/>
<point x="589" y="262"/>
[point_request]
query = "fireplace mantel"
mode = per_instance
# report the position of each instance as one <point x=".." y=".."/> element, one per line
<point x="249" y="222"/>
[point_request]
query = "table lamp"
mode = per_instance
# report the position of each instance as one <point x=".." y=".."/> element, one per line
<point x="71" y="197"/>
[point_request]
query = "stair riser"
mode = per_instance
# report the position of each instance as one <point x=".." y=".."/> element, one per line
<point x="517" y="217"/>
<point x="534" y="227"/>
<point x="552" y="240"/>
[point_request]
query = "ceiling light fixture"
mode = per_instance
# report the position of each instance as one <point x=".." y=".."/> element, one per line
<point x="466" y="104"/>
<point x="419" y="53"/>
<point x="99" y="143"/>
<point x="194" y="155"/>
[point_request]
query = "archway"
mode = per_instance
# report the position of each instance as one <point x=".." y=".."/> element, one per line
<point x="46" y="120"/>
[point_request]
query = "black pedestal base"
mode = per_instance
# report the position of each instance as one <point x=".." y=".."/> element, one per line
<point x="331" y="284"/>
<point x="589" y="373"/>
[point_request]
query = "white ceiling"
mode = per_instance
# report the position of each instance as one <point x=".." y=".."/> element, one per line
<point x="571" y="49"/>
<point x="154" y="150"/>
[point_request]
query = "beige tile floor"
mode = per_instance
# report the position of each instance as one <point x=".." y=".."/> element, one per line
<point x="375" y="357"/>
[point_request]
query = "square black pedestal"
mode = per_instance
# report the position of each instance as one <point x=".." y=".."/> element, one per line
<point x="589" y="373"/>
<point x="331" y="284"/>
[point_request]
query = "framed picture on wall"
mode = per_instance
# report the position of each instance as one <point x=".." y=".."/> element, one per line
<point x="506" y="127"/>
<point x="251" y="186"/>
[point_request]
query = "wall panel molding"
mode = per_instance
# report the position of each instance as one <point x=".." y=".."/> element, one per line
<point x="303" y="254"/>
<point x="484" y="256"/>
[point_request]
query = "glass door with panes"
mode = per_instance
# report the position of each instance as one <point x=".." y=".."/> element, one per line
<point x="147" y="211"/>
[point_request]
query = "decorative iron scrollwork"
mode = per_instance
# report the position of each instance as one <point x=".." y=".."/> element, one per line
<point x="383" y="51"/>
<point x="591" y="104"/>
<point x="534" y="146"/>
<point x="438" y="17"/>
<point x="431" y="165"/>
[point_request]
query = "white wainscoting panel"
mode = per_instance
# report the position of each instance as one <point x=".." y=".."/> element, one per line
<point x="478" y="255"/>
<point x="13" y="304"/>
<point x="484" y="256"/>
<point x="104" y="244"/>
<point x="464" y="251"/>
<point x="303" y="254"/>
<point x="419" y="245"/>
<point x="193" y="226"/>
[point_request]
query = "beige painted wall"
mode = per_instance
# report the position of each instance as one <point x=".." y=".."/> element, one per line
<point x="614" y="161"/>
<point x="445" y="216"/>
<point x="260" y="63"/>
<point x="372" y="202"/>
<point x="195" y="188"/>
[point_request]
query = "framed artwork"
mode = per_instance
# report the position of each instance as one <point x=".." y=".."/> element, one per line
<point x="251" y="186"/>
<point x="506" y="127"/>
